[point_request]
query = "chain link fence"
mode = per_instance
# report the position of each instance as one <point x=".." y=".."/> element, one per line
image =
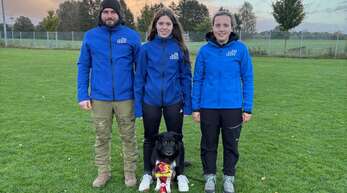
<point x="298" y="44"/>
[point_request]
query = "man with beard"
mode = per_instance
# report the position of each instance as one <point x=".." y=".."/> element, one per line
<point x="105" y="87"/>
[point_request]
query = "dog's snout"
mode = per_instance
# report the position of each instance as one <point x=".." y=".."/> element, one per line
<point x="169" y="153"/>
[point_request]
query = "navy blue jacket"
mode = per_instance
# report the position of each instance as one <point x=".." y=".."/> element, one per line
<point x="223" y="77"/>
<point x="163" y="76"/>
<point x="106" y="64"/>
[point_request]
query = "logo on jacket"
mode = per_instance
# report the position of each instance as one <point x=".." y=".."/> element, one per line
<point x="122" y="41"/>
<point x="231" y="53"/>
<point x="174" y="56"/>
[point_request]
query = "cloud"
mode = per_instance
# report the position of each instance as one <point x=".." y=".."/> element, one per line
<point x="30" y="8"/>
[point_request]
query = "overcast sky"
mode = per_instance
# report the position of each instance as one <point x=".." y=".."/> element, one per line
<point x="321" y="15"/>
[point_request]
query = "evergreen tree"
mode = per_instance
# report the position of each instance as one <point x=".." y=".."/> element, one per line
<point x="127" y="15"/>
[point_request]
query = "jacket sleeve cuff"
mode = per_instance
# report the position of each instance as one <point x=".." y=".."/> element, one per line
<point x="138" y="109"/>
<point x="187" y="111"/>
<point x="248" y="111"/>
<point x="138" y="114"/>
<point x="80" y="99"/>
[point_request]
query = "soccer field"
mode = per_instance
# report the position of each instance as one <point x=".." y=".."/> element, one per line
<point x="295" y="143"/>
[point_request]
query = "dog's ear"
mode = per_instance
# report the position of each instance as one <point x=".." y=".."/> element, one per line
<point x="157" y="141"/>
<point x="178" y="136"/>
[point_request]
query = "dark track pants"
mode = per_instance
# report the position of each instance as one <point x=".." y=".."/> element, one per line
<point x="214" y="121"/>
<point x="173" y="116"/>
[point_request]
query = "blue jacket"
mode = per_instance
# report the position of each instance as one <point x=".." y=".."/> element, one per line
<point x="223" y="76"/>
<point x="162" y="76"/>
<point x="106" y="64"/>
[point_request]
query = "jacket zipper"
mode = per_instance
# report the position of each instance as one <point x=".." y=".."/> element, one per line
<point x="112" y="67"/>
<point x="162" y="64"/>
<point x="219" y="80"/>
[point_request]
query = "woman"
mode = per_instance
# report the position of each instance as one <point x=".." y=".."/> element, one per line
<point x="163" y="86"/>
<point x="222" y="98"/>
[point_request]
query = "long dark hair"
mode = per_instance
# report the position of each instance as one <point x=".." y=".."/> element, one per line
<point x="177" y="31"/>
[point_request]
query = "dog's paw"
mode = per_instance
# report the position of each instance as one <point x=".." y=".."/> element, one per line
<point x="157" y="186"/>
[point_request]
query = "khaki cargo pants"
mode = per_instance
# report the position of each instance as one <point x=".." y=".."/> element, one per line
<point x="102" y="115"/>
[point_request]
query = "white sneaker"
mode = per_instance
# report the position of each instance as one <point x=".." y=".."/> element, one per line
<point x="145" y="183"/>
<point x="182" y="182"/>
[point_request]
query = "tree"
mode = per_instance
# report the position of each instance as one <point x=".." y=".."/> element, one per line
<point x="88" y="14"/>
<point x="173" y="6"/>
<point x="247" y="18"/>
<point x="203" y="26"/>
<point x="50" y="22"/>
<point x="288" y="14"/>
<point x="238" y="22"/>
<point x="23" y="24"/>
<point x="40" y="28"/>
<point x="191" y="13"/>
<point x="128" y="16"/>
<point x="68" y="14"/>
<point x="146" y="17"/>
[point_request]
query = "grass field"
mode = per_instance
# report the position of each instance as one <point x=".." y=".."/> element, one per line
<point x="295" y="143"/>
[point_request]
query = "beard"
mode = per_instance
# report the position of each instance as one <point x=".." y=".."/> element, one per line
<point x="110" y="22"/>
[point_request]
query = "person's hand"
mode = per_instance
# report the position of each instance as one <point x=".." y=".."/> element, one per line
<point x="196" y="116"/>
<point x="85" y="105"/>
<point x="246" y="117"/>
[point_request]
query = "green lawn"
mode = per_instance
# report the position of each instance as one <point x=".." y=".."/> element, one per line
<point x="296" y="142"/>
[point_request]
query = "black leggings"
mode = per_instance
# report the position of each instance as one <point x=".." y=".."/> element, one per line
<point x="173" y="116"/>
<point x="213" y="122"/>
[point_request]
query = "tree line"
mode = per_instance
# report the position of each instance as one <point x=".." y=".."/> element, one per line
<point x="73" y="15"/>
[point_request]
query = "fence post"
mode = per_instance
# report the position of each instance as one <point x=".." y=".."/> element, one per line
<point x="269" y="43"/>
<point x="12" y="34"/>
<point x="240" y="35"/>
<point x="56" y="39"/>
<point x="337" y="41"/>
<point x="20" y="38"/>
<point x="47" y="33"/>
<point x="301" y="39"/>
<point x="34" y="37"/>
<point x="72" y="36"/>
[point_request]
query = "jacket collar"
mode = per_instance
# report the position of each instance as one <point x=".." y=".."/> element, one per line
<point x="161" y="39"/>
<point x="114" y="28"/>
<point x="212" y="39"/>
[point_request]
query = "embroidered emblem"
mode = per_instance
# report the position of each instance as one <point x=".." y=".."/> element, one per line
<point x="174" y="56"/>
<point x="231" y="53"/>
<point x="122" y="41"/>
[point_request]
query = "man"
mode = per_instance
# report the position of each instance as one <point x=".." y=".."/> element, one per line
<point x="105" y="86"/>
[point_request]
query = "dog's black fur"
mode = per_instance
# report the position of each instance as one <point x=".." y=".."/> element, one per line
<point x="168" y="148"/>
